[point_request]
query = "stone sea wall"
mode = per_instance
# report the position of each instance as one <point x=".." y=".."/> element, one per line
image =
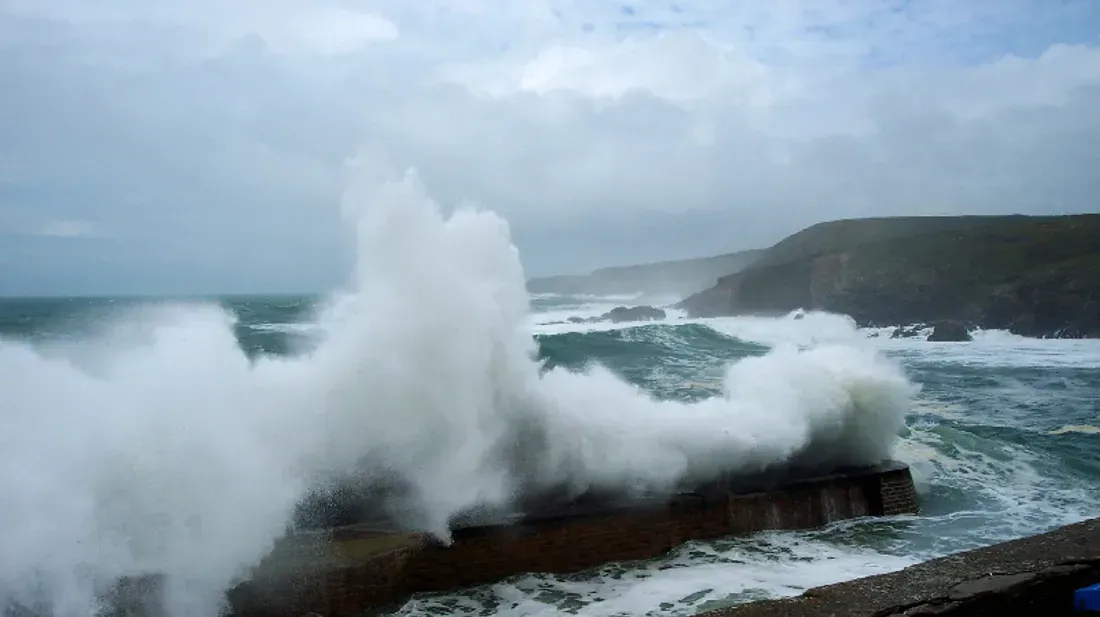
<point x="354" y="570"/>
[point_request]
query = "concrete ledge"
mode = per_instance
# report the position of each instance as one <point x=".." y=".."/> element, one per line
<point x="1031" y="576"/>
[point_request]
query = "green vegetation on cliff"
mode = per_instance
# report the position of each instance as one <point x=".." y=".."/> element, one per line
<point x="680" y="277"/>
<point x="1038" y="276"/>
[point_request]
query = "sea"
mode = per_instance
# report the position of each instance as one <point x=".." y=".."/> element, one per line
<point x="176" y="437"/>
<point x="1002" y="437"/>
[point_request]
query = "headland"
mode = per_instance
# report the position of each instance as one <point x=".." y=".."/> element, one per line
<point x="1032" y="275"/>
<point x="680" y="277"/>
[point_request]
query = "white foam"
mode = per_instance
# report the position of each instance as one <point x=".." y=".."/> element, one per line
<point x="1009" y="499"/>
<point x="286" y="328"/>
<point x="159" y="447"/>
<point x="1083" y="429"/>
<point x="1004" y="479"/>
<point x="1003" y="350"/>
<point x="694" y="577"/>
<point x="991" y="348"/>
<point x="798" y="328"/>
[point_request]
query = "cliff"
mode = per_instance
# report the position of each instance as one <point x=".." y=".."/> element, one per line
<point x="1036" y="276"/>
<point x="681" y="277"/>
<point x="1031" y="576"/>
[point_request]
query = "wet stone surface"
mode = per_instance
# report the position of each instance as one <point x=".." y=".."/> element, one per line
<point x="1033" y="576"/>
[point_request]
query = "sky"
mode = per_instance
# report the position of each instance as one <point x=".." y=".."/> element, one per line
<point x="199" y="146"/>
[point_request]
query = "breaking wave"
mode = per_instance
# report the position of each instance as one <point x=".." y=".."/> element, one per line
<point x="159" y="446"/>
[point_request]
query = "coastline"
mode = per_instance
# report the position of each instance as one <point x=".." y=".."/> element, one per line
<point x="1033" y="276"/>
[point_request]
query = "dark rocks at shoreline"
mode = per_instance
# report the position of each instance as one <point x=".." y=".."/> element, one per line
<point x="949" y="331"/>
<point x="941" y="331"/>
<point x="634" y="313"/>
<point x="620" y="314"/>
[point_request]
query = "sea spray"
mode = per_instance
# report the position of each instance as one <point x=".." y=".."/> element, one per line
<point x="826" y="406"/>
<point x="160" y="447"/>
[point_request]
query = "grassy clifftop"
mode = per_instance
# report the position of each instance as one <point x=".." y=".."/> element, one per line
<point x="680" y="277"/>
<point x="833" y="236"/>
<point x="1037" y="276"/>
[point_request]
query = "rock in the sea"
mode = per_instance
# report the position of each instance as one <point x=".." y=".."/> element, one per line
<point x="908" y="331"/>
<point x="948" y="331"/>
<point x="633" y="313"/>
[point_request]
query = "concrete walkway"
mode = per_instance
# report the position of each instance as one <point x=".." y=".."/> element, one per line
<point x="1031" y="576"/>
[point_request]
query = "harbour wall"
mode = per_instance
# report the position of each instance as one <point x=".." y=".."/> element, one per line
<point x="356" y="569"/>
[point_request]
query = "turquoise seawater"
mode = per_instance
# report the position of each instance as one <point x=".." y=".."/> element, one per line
<point x="1003" y="441"/>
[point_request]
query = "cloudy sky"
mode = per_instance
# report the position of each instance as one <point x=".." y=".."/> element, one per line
<point x="183" y="146"/>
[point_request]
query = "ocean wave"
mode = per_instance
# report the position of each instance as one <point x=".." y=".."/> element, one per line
<point x="159" y="446"/>
<point x="661" y="342"/>
<point x="799" y="328"/>
<point x="1083" y="429"/>
<point x="989" y="348"/>
<point x="692" y="578"/>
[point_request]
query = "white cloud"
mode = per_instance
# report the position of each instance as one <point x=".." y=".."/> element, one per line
<point x="653" y="65"/>
<point x="319" y="27"/>
<point x="69" y="229"/>
<point x="196" y="123"/>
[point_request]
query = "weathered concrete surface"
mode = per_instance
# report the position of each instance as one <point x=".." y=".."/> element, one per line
<point x="1031" y="576"/>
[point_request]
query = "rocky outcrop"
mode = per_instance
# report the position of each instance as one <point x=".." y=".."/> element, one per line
<point x="941" y="331"/>
<point x="633" y="313"/>
<point x="1036" y="276"/>
<point x="949" y="331"/>
<point x="1032" y="576"/>
<point x="621" y="314"/>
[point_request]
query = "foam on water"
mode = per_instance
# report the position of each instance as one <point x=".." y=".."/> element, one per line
<point x="288" y="328"/>
<point x="996" y="349"/>
<point x="798" y="328"/>
<point x="1006" y="497"/>
<point x="1084" y="429"/>
<point x="990" y="348"/>
<point x="977" y="488"/>
<point x="159" y="446"/>
<point x="693" y="577"/>
<point x="976" y="491"/>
